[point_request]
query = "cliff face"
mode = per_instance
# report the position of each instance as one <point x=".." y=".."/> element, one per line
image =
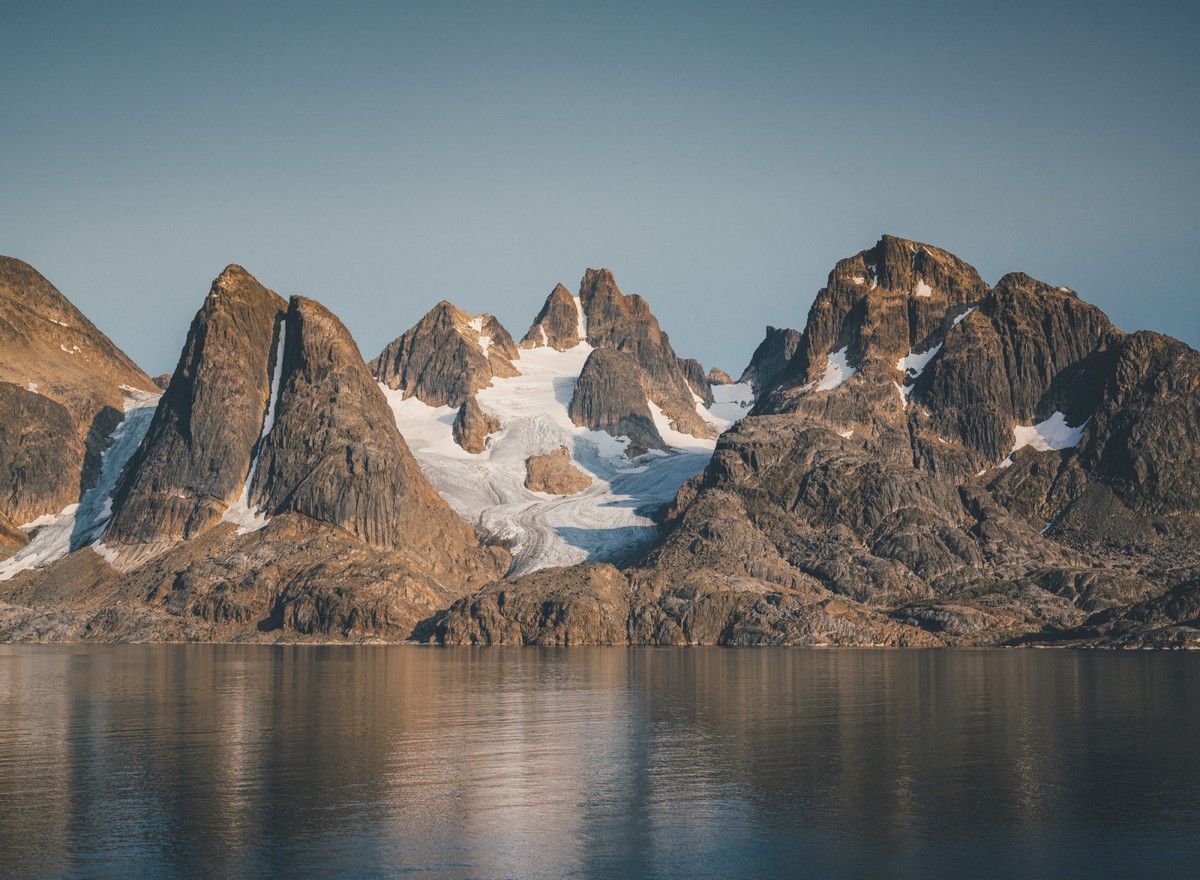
<point x="939" y="462"/>
<point x="447" y="356"/>
<point x="61" y="398"/>
<point x="334" y="454"/>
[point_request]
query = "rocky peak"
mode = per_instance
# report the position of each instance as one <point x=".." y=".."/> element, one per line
<point x="447" y="356"/>
<point x="610" y="396"/>
<point x="334" y="453"/>
<point x="614" y="320"/>
<point x="197" y="452"/>
<point x="557" y="324"/>
<point x="717" y="376"/>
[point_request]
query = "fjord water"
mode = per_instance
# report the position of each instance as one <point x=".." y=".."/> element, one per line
<point x="150" y="761"/>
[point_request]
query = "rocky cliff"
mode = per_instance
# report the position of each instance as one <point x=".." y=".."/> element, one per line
<point x="193" y="463"/>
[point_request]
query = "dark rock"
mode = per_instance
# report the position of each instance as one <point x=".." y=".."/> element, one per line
<point x="447" y="356"/>
<point x="555" y="474"/>
<point x="582" y="605"/>
<point x="610" y="396"/>
<point x="472" y="426"/>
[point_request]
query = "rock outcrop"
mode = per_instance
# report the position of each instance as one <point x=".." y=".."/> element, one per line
<point x="555" y="474"/>
<point x="334" y="453"/>
<point x="558" y="324"/>
<point x="472" y="426"/>
<point x="61" y="396"/>
<point x="447" y="356"/>
<point x="610" y="395"/>
<point x="718" y="377"/>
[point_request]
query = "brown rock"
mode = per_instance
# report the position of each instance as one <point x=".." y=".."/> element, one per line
<point x="557" y="324"/>
<point x="555" y="474"/>
<point x="334" y="453"/>
<point x="472" y="426"/>
<point x="718" y="377"/>
<point x="626" y="323"/>
<point x="610" y="396"/>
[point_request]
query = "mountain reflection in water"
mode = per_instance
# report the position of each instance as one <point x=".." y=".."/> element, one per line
<point x="208" y="760"/>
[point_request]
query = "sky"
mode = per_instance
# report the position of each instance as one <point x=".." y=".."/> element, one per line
<point x="719" y="158"/>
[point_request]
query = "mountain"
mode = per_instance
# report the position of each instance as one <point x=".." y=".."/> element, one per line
<point x="64" y="390"/>
<point x="272" y="492"/>
<point x="938" y="462"/>
<point x="931" y="461"/>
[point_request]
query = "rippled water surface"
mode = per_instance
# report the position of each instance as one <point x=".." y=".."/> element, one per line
<point x="152" y="761"/>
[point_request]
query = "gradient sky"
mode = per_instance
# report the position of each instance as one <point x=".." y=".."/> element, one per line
<point x="718" y="157"/>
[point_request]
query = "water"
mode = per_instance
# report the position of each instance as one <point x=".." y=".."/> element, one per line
<point x="152" y="761"/>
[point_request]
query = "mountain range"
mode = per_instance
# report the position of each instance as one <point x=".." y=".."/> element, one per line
<point x="930" y="461"/>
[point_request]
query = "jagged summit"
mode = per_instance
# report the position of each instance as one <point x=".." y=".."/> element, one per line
<point x="447" y="356"/>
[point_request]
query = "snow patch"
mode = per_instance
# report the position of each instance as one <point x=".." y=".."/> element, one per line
<point x="81" y="524"/>
<point x="837" y="371"/>
<point x="74" y="349"/>
<point x="903" y="395"/>
<point x="858" y="279"/>
<point x="730" y="403"/>
<point x="962" y="317"/>
<point x="64" y="324"/>
<point x="545" y="338"/>
<point x="874" y="277"/>
<point x="846" y="434"/>
<point x="581" y="320"/>
<point x="923" y="290"/>
<point x="912" y="365"/>
<point x="32" y="386"/>
<point x="1052" y="434"/>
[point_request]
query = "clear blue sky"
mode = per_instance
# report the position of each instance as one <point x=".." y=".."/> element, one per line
<point x="718" y="157"/>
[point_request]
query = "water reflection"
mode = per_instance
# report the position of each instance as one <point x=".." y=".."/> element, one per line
<point x="233" y="761"/>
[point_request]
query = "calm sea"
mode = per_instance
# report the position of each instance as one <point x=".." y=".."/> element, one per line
<point x="228" y="761"/>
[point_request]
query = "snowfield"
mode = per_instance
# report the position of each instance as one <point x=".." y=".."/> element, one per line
<point x="608" y="522"/>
